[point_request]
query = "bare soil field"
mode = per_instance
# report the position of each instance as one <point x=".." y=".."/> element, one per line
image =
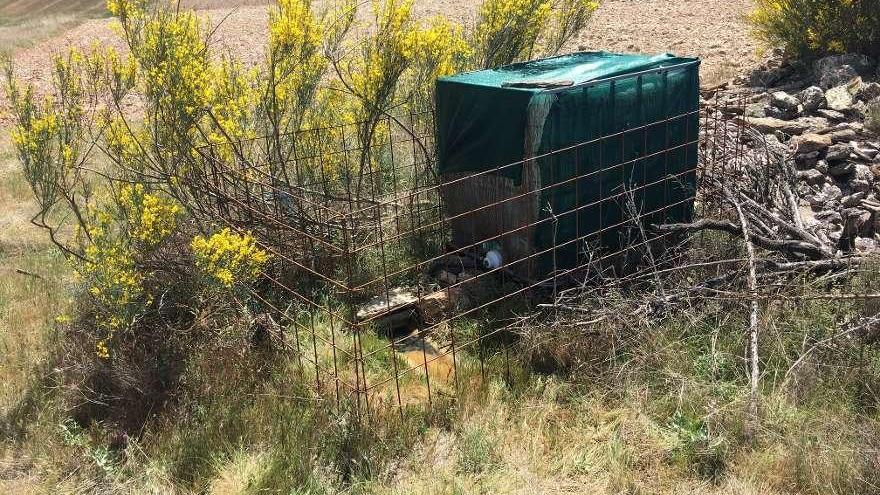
<point x="714" y="30"/>
<point x="13" y="9"/>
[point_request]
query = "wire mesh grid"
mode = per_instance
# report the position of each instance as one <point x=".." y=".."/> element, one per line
<point x="394" y="284"/>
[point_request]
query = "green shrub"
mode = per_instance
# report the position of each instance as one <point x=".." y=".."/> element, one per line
<point x="695" y="447"/>
<point x="477" y="451"/>
<point x="816" y="27"/>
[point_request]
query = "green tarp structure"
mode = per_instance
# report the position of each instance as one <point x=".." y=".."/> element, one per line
<point x="581" y="132"/>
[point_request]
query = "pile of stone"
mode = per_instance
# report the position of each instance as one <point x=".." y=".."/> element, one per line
<point x="823" y="117"/>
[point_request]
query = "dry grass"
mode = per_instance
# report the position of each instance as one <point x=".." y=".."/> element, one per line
<point x="15" y="10"/>
<point x="31" y="276"/>
<point x="31" y="295"/>
<point x="26" y="33"/>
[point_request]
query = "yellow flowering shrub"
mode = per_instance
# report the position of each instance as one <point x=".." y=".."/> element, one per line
<point x="121" y="144"/>
<point x="372" y="77"/>
<point x="112" y="280"/>
<point x="816" y="27"/>
<point x="120" y="236"/>
<point x="173" y="55"/>
<point x="513" y="30"/>
<point x="126" y="9"/>
<point x="115" y="285"/>
<point x="569" y="18"/>
<point x="47" y="133"/>
<point x="120" y="74"/>
<point x="438" y="49"/>
<point x="151" y="217"/>
<point x="232" y="111"/>
<point x="229" y="258"/>
<point x="508" y="30"/>
<point x="315" y="111"/>
<point x="34" y="136"/>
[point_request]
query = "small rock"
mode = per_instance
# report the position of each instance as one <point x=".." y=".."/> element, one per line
<point x="854" y="199"/>
<point x="775" y="146"/>
<point x="839" y="98"/>
<point x="836" y="69"/>
<point x="759" y="97"/>
<point x="773" y="69"/>
<point x="832" y="115"/>
<point x="809" y="143"/>
<point x="865" y="244"/>
<point x="779" y="113"/>
<point x="843" y="135"/>
<point x="857" y="111"/>
<point x="769" y="125"/>
<point x="864" y="152"/>
<point x="874" y="208"/>
<point x="814" y="124"/>
<point x="822" y="166"/>
<point x="807" y="160"/>
<point x="857" y="222"/>
<point x="875" y="171"/>
<point x="868" y="92"/>
<point x="859" y="127"/>
<point x="811" y="176"/>
<point x="812" y="98"/>
<point x="831" y="192"/>
<point x="837" y="76"/>
<point x="785" y="101"/>
<point x="829" y="216"/>
<point x="843" y="126"/>
<point x="838" y="152"/>
<point x="871" y="204"/>
<point x="755" y="110"/>
<point x="862" y="172"/>
<point x="841" y="169"/>
<point x="860" y="185"/>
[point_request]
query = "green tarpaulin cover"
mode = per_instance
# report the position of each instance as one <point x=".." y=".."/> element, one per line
<point x="601" y="128"/>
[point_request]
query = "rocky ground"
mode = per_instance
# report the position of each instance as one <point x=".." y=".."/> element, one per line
<point x="825" y="118"/>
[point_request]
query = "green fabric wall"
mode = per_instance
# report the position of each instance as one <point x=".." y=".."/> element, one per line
<point x="482" y="125"/>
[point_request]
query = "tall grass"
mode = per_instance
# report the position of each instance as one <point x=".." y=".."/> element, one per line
<point x="664" y="416"/>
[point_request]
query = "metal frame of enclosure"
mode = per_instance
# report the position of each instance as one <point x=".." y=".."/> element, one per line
<point x="369" y="288"/>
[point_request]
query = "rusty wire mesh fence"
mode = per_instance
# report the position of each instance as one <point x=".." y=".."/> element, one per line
<point x="391" y="284"/>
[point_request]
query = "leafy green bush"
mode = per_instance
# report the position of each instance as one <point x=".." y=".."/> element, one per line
<point x="817" y="27"/>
